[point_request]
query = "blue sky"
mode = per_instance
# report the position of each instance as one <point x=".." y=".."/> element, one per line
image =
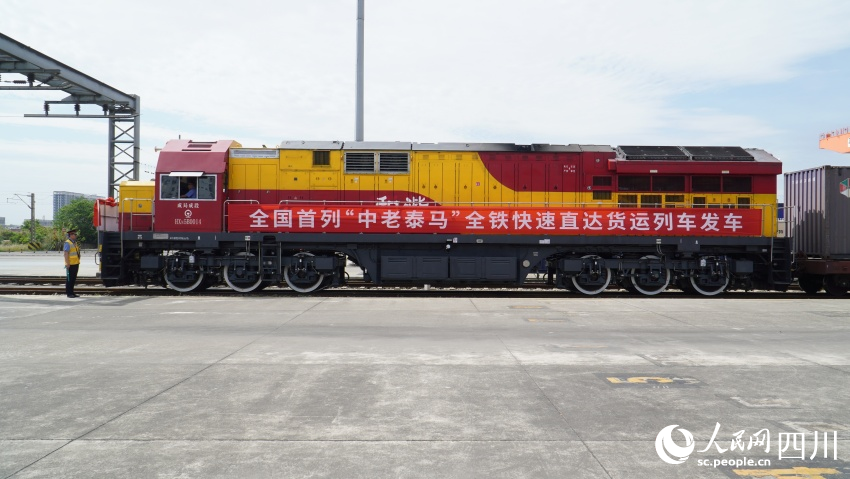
<point x="762" y="74"/>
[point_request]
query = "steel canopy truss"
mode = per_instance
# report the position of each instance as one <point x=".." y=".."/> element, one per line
<point x="38" y="72"/>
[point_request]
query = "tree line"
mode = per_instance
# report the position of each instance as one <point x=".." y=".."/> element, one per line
<point x="77" y="214"/>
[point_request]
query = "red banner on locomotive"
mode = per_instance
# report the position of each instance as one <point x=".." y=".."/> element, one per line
<point x="490" y="221"/>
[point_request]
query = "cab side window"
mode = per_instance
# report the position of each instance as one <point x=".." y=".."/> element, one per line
<point x="169" y="187"/>
<point x="176" y="187"/>
<point x="206" y="188"/>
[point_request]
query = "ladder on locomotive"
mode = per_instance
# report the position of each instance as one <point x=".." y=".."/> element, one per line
<point x="111" y="258"/>
<point x="780" y="263"/>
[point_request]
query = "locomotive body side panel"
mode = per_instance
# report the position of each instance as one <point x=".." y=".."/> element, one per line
<point x="136" y="205"/>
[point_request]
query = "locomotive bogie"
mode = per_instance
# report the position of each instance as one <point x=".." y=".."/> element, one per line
<point x="301" y="273"/>
<point x="243" y="272"/>
<point x="650" y="274"/>
<point x="833" y="284"/>
<point x="712" y="275"/>
<point x="837" y="284"/>
<point x="593" y="277"/>
<point x="652" y="277"/>
<point x="183" y="274"/>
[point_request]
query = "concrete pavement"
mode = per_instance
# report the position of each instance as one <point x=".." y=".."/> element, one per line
<point x="421" y="387"/>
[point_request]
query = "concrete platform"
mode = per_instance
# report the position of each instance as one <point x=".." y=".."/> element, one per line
<point x="44" y="263"/>
<point x="419" y="387"/>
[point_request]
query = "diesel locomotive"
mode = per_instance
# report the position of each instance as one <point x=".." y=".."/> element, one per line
<point x="586" y="217"/>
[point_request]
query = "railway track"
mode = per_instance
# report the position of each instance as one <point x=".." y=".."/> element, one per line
<point x="47" y="285"/>
<point x="45" y="280"/>
<point x="535" y="288"/>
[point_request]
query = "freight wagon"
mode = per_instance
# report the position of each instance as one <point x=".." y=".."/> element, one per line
<point x="818" y="219"/>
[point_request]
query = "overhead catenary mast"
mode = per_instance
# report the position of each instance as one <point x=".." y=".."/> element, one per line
<point x="358" y="136"/>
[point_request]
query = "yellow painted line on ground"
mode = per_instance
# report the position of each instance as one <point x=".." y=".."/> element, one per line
<point x="792" y="473"/>
<point x="640" y="380"/>
<point x="636" y="380"/>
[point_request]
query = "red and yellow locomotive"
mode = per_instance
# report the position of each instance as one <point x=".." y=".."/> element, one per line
<point x="699" y="218"/>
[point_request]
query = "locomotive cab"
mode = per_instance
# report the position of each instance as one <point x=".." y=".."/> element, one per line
<point x="190" y="186"/>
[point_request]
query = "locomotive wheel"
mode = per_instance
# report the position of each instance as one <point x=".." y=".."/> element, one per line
<point x="184" y="285"/>
<point x="592" y="281"/>
<point x="836" y="285"/>
<point x="707" y="285"/>
<point x="811" y="283"/>
<point x="303" y="279"/>
<point x="240" y="278"/>
<point x="184" y="278"/>
<point x="651" y="282"/>
<point x="710" y="281"/>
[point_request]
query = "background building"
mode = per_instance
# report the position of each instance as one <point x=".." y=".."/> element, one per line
<point x="62" y="198"/>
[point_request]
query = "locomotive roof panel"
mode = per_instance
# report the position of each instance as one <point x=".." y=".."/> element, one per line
<point x="310" y="145"/>
<point x="597" y="148"/>
<point x="254" y="153"/>
<point x="717" y="153"/>
<point x="465" y="146"/>
<point x="377" y="145"/>
<point x="545" y="147"/>
<point x="187" y="155"/>
<point x="652" y="153"/>
<point x="761" y="156"/>
<point x="448" y="146"/>
<point x="511" y="147"/>
<point x="694" y="153"/>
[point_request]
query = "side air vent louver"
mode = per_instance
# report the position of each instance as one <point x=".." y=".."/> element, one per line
<point x="357" y="162"/>
<point x="394" y="163"/>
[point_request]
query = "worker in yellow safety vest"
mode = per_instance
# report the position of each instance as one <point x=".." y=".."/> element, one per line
<point x="72" y="262"/>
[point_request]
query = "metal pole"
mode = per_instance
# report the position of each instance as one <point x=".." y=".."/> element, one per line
<point x="359" y="114"/>
<point x="137" y="138"/>
<point x="110" y="160"/>
<point x="32" y="217"/>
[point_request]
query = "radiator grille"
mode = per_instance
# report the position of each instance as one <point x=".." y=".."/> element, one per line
<point x="359" y="162"/>
<point x="394" y="163"/>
